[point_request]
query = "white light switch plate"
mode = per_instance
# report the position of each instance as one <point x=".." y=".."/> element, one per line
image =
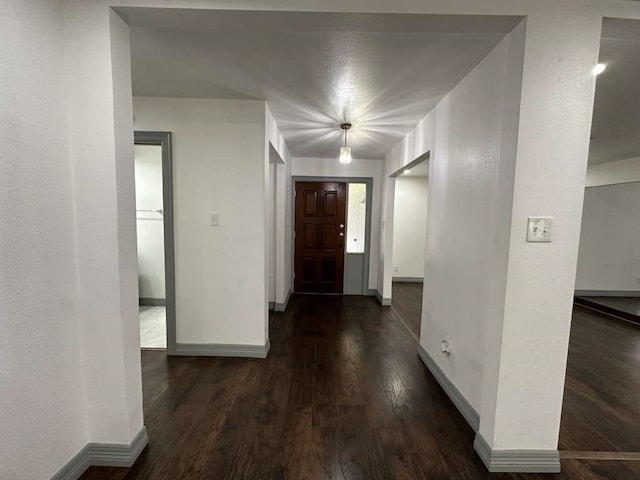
<point x="539" y="229"/>
<point x="214" y="219"/>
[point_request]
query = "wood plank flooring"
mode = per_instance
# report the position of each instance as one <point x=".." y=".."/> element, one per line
<point x="626" y="308"/>
<point x="601" y="405"/>
<point x="406" y="302"/>
<point x="342" y="396"/>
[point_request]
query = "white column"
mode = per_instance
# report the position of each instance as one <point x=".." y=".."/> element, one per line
<point x="101" y="137"/>
<point x="526" y="347"/>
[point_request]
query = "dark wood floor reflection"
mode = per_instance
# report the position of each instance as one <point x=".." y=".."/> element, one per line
<point x="601" y="408"/>
<point x="406" y="301"/>
<point x="342" y="396"/>
<point x="627" y="308"/>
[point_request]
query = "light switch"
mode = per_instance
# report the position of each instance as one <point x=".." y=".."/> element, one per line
<point x="539" y="229"/>
<point x="214" y="219"/>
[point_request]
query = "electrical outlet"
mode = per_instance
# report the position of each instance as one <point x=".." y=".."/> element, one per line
<point x="638" y="280"/>
<point x="214" y="219"/>
<point x="395" y="268"/>
<point x="446" y="348"/>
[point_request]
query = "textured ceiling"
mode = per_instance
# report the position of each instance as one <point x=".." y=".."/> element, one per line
<point x="616" y="115"/>
<point x="381" y="72"/>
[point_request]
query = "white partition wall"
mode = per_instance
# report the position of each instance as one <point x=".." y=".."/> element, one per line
<point x="219" y="168"/>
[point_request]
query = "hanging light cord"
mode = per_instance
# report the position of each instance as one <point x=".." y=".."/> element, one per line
<point x="345" y="126"/>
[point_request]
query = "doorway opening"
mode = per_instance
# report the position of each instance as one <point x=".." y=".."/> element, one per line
<point x="600" y="395"/>
<point x="332" y="229"/>
<point x="154" y="228"/>
<point x="409" y="242"/>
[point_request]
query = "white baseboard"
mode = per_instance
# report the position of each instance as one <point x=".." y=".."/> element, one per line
<point x="517" y="461"/>
<point x="103" y="455"/>
<point x="222" y="350"/>
<point x="383" y="301"/>
<point x="281" y="307"/>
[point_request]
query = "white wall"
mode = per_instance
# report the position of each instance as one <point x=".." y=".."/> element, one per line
<point x="271" y="233"/>
<point x="284" y="233"/>
<point x="478" y="205"/>
<point x="149" y="225"/>
<point x="284" y="177"/>
<point x="465" y="218"/>
<point x="104" y="197"/>
<point x="528" y="368"/>
<point x="410" y="226"/>
<point x="463" y="135"/>
<point x="42" y="407"/>
<point x="330" y="167"/>
<point x="219" y="166"/>
<point x="277" y="151"/>
<point x="619" y="171"/>
<point x="527" y="351"/>
<point x="417" y="143"/>
<point x="609" y="254"/>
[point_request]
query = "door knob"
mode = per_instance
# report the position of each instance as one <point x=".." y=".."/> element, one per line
<point x="342" y="225"/>
<point x="341" y="234"/>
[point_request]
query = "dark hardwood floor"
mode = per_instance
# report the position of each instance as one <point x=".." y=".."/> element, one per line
<point x="627" y="308"/>
<point x="342" y="396"/>
<point x="406" y="301"/>
<point x="601" y="409"/>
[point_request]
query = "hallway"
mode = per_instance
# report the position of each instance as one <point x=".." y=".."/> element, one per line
<point x="342" y="395"/>
<point x="407" y="304"/>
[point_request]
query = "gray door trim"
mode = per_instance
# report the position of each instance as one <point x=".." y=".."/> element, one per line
<point x="163" y="139"/>
<point x="367" y="247"/>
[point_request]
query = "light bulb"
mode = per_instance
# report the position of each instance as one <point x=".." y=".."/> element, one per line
<point x="599" y="68"/>
<point x="345" y="155"/>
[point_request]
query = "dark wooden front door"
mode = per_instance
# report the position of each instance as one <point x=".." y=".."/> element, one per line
<point x="320" y="231"/>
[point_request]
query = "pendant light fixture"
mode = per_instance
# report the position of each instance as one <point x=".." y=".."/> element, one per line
<point x="345" y="152"/>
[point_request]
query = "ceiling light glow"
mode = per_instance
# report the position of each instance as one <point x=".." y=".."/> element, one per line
<point x="406" y="171"/>
<point x="599" y="68"/>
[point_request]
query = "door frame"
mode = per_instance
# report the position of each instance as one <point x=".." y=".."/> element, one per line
<point x="367" y="247"/>
<point x="163" y="140"/>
